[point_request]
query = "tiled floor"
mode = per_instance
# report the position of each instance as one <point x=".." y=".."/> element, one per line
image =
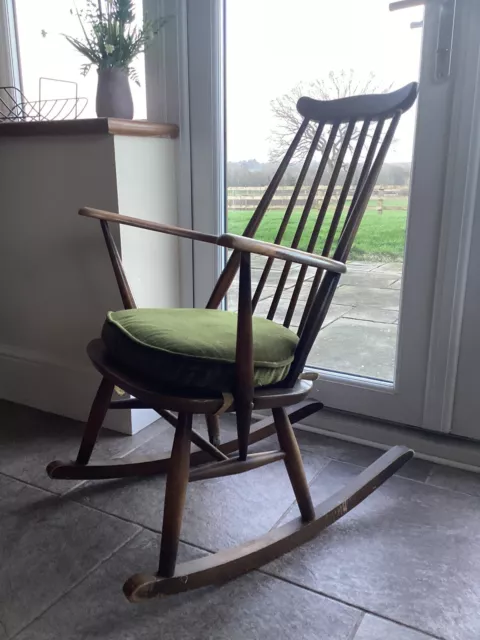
<point x="404" y="565"/>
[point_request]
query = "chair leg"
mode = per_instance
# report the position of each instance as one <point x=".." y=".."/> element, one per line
<point x="175" y="493"/>
<point x="96" y="417"/>
<point x="213" y="426"/>
<point x="243" y="411"/>
<point x="294" y="463"/>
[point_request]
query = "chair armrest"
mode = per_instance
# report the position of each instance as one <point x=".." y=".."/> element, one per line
<point x="241" y="243"/>
<point x="106" y="216"/>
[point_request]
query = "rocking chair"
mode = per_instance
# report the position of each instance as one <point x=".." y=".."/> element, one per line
<point x="206" y="361"/>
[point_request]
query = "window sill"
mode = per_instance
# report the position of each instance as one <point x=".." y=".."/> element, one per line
<point x="89" y="126"/>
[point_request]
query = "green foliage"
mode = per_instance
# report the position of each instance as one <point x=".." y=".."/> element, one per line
<point x="110" y="36"/>
<point x="380" y="236"/>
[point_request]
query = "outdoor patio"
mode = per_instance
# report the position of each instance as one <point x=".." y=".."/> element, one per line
<point x="360" y="331"/>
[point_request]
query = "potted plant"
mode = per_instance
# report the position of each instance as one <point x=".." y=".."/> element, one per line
<point x="111" y="42"/>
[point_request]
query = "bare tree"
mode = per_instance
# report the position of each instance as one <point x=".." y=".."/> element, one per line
<point x="287" y="119"/>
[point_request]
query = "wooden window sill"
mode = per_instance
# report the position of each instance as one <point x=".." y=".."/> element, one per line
<point x="89" y="126"/>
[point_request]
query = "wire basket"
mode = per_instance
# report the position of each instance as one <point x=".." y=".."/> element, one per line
<point x="14" y="106"/>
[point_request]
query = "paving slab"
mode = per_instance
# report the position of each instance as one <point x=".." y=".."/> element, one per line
<point x="367" y="279"/>
<point x="363" y="266"/>
<point x="397" y="284"/>
<point x="372" y="314"/>
<point x="396" y="268"/>
<point x="258" y="262"/>
<point x="336" y="311"/>
<point x="356" y="347"/>
<point x="368" y="296"/>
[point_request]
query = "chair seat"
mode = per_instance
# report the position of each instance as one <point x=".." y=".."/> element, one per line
<point x="195" y="348"/>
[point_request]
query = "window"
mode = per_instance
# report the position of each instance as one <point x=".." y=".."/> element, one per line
<point x="51" y="56"/>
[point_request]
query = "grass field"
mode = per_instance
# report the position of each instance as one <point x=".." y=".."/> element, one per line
<point x="380" y="237"/>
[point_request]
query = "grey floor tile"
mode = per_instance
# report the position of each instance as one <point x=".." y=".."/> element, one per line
<point x="455" y="479"/>
<point x="315" y="444"/>
<point x="250" y="608"/>
<point x="161" y="443"/>
<point x="30" y="439"/>
<point x="373" y="628"/>
<point x="358" y="454"/>
<point x="410" y="552"/>
<point x="47" y="545"/>
<point x="219" y="513"/>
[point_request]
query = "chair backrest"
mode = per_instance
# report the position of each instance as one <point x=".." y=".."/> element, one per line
<point x="353" y="135"/>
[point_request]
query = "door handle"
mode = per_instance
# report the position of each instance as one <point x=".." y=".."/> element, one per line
<point x="446" y="23"/>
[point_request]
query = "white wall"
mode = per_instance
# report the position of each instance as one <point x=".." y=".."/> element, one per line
<point x="147" y="189"/>
<point x="56" y="282"/>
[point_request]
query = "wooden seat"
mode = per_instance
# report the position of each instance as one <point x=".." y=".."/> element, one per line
<point x="359" y="130"/>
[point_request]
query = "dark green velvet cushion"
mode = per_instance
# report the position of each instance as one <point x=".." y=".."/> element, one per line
<point x="195" y="348"/>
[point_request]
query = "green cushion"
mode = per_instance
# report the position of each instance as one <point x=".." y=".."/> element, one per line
<point x="195" y="348"/>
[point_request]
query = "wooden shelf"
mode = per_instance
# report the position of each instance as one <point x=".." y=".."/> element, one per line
<point x="89" y="126"/>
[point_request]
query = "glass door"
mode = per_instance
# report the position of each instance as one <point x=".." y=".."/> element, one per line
<point x="372" y="352"/>
<point x="324" y="50"/>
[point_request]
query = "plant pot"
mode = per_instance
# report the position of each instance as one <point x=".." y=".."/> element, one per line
<point x="114" y="98"/>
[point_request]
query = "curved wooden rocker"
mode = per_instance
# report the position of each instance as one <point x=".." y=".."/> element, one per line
<point x="343" y="130"/>
<point x="231" y="563"/>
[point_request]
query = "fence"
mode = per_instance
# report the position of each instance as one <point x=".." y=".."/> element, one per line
<point x="249" y="197"/>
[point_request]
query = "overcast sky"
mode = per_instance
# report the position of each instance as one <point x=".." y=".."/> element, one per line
<point x="271" y="46"/>
<point x="274" y="44"/>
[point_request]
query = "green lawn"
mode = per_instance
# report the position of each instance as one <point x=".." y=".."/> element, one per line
<point x="380" y="237"/>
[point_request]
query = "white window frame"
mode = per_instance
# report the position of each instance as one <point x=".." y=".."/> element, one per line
<point x="167" y="86"/>
<point x="460" y="206"/>
<point x="173" y="75"/>
<point x="10" y="72"/>
<point x="438" y="242"/>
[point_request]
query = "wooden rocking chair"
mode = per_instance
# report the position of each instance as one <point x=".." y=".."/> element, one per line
<point x="205" y="361"/>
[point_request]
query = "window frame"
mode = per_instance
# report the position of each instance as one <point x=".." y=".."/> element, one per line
<point x="425" y="399"/>
<point x="10" y="70"/>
